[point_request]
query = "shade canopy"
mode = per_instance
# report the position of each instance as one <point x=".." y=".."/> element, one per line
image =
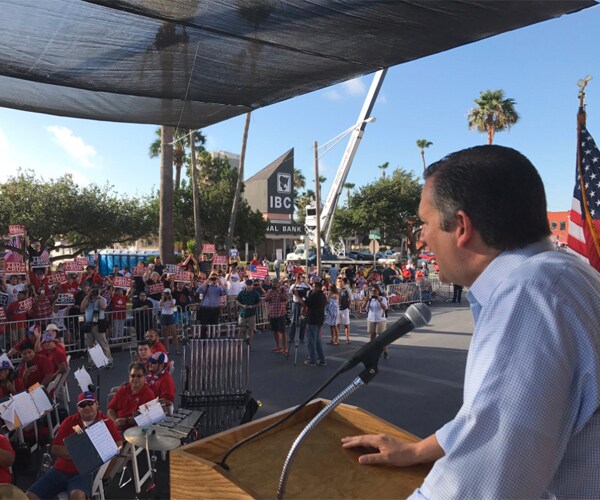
<point x="193" y="63"/>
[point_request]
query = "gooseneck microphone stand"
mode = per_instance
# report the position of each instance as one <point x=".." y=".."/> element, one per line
<point x="363" y="378"/>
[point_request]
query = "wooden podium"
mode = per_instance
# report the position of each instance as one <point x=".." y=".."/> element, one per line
<point x="321" y="468"/>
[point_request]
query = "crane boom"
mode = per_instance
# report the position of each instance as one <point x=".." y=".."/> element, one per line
<point x="342" y="173"/>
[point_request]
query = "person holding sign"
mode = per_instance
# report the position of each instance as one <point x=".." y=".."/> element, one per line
<point x="13" y="287"/>
<point x="18" y="312"/>
<point x="93" y="307"/>
<point x="63" y="476"/>
<point x="167" y="318"/>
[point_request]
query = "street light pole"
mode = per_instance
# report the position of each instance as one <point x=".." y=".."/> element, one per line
<point x="318" y="211"/>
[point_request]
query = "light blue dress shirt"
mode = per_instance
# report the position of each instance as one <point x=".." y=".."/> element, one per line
<point x="529" y="426"/>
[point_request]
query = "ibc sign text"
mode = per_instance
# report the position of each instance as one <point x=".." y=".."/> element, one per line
<point x="278" y="202"/>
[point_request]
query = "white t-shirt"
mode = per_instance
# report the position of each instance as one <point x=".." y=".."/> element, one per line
<point x="375" y="311"/>
<point x="13" y="290"/>
<point x="300" y="285"/>
<point x="234" y="285"/>
<point x="168" y="307"/>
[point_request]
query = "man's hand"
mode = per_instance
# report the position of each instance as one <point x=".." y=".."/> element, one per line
<point x="386" y="450"/>
<point x="393" y="451"/>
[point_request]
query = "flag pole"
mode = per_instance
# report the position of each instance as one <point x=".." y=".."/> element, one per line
<point x="581" y="122"/>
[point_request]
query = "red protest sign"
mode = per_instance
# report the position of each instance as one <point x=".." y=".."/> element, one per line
<point x="57" y="278"/>
<point x="73" y="266"/>
<point x="65" y="299"/>
<point x="15" y="268"/>
<point x="84" y="261"/>
<point x="156" y="288"/>
<point x="121" y="282"/>
<point x="171" y="268"/>
<point x="219" y="260"/>
<point x="26" y="305"/>
<point x="2" y="314"/>
<point x="139" y="270"/>
<point x="209" y="248"/>
<point x="184" y="276"/>
<point x="17" y="230"/>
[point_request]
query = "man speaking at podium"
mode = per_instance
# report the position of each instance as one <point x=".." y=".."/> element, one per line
<point x="529" y="425"/>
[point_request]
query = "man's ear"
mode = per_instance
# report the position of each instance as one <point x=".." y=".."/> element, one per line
<point x="463" y="228"/>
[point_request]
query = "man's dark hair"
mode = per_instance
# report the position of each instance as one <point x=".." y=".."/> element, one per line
<point x="26" y="345"/>
<point x="498" y="188"/>
<point x="135" y="365"/>
<point x="143" y="342"/>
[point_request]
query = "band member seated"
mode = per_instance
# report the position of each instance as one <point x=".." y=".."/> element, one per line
<point x="143" y="351"/>
<point x="160" y="380"/>
<point x="63" y="476"/>
<point x="154" y="342"/>
<point x="9" y="383"/>
<point x="34" y="369"/>
<point x="55" y="354"/>
<point x="124" y="405"/>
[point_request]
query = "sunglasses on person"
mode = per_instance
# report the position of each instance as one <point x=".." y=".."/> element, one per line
<point x="136" y="375"/>
<point x="85" y="404"/>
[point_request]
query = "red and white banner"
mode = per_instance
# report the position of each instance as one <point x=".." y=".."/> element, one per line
<point x="139" y="270"/>
<point x="184" y="276"/>
<point x="57" y="278"/>
<point x="209" y="248"/>
<point x="42" y="261"/>
<point x="17" y="230"/>
<point x="26" y="305"/>
<point x="2" y="314"/>
<point x="84" y="261"/>
<point x="121" y="282"/>
<point x="171" y="268"/>
<point x="260" y="273"/>
<point x="15" y="268"/>
<point x="219" y="260"/>
<point x="73" y="266"/>
<point x="65" y="299"/>
<point x="156" y="288"/>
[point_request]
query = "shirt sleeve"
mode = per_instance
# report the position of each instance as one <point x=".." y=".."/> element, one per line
<point x="167" y="388"/>
<point x="523" y="399"/>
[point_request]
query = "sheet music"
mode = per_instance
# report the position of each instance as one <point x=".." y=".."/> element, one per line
<point x="7" y="413"/>
<point x="83" y="379"/>
<point x="102" y="440"/>
<point x="150" y="413"/>
<point x="25" y="408"/>
<point x="40" y="399"/>
<point x="98" y="356"/>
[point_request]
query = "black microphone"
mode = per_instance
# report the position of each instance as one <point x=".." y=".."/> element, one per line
<point x="416" y="315"/>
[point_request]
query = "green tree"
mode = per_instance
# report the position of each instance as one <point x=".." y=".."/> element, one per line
<point x="349" y="186"/>
<point x="216" y="185"/>
<point x="383" y="167"/>
<point x="181" y="143"/>
<point x="299" y="183"/>
<point x="65" y="216"/>
<point x="238" y="186"/>
<point x="494" y="113"/>
<point x="390" y="204"/>
<point x="422" y="144"/>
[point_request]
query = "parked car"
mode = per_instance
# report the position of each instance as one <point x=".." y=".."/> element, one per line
<point x="429" y="257"/>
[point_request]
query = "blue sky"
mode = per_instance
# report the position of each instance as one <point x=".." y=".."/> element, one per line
<point x="538" y="66"/>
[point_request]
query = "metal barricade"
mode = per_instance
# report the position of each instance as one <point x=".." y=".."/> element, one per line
<point x="403" y="294"/>
<point x="440" y="292"/>
<point x="215" y="376"/>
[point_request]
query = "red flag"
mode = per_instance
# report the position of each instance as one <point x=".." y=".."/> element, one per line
<point x="260" y="273"/>
<point x="584" y="223"/>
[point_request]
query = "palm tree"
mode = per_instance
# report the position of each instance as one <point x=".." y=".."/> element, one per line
<point x="349" y="186"/>
<point x="195" y="195"/>
<point x="181" y="140"/>
<point x="238" y="186"/>
<point x="383" y="167"/>
<point x="166" y="235"/>
<point x="299" y="179"/>
<point x="493" y="113"/>
<point x="422" y="144"/>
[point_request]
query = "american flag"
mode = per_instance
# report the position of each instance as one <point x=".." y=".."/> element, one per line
<point x="584" y="224"/>
<point x="260" y="273"/>
<point x="45" y="257"/>
<point x="11" y="256"/>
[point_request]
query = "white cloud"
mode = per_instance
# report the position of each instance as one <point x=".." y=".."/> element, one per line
<point x="356" y="86"/>
<point x="333" y="95"/>
<point x="75" y="146"/>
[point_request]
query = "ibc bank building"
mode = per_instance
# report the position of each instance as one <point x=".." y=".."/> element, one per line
<point x="271" y="191"/>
